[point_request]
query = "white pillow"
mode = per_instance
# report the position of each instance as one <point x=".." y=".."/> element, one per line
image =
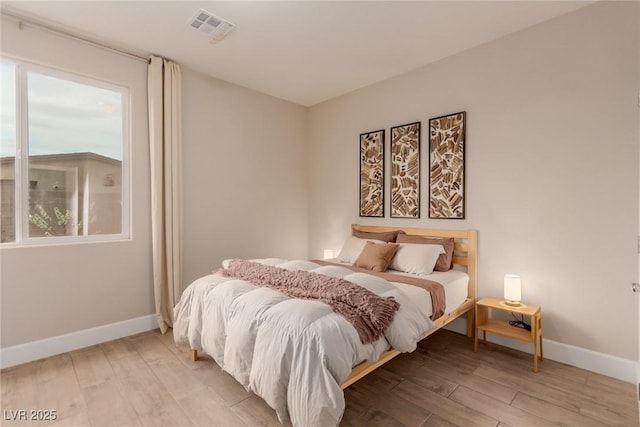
<point x="416" y="258"/>
<point x="352" y="248"/>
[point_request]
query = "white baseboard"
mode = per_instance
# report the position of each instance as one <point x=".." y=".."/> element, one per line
<point x="612" y="366"/>
<point x="601" y="363"/>
<point x="35" y="350"/>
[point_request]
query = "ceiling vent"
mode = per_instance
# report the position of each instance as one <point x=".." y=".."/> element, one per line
<point x="210" y="25"/>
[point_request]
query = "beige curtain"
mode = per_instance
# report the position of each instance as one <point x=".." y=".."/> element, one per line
<point x="165" y="123"/>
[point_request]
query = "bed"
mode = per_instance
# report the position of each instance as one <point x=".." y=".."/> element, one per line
<point x="309" y="354"/>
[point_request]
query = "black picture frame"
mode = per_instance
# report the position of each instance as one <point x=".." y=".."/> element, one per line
<point x="372" y="174"/>
<point x="447" y="143"/>
<point x="405" y="171"/>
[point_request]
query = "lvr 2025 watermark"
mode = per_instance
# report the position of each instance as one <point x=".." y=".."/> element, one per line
<point x="30" y="414"/>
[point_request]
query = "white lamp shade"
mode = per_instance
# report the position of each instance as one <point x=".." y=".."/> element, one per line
<point x="328" y="253"/>
<point x="512" y="287"/>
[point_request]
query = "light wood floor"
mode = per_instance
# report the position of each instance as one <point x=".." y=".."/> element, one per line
<point x="144" y="380"/>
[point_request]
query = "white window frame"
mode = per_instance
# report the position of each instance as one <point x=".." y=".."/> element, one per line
<point x="21" y="167"/>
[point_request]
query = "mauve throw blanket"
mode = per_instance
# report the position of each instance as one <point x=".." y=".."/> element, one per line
<point x="369" y="313"/>
<point x="435" y="289"/>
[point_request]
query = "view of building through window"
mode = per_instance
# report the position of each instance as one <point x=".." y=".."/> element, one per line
<point x="70" y="183"/>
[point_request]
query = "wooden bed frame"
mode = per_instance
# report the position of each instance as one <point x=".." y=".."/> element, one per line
<point x="465" y="254"/>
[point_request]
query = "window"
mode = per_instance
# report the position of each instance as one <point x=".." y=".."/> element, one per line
<point x="63" y="157"/>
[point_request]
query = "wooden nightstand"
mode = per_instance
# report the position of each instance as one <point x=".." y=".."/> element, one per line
<point x="485" y="324"/>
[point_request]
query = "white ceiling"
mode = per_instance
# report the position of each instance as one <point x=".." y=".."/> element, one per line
<point x="302" y="51"/>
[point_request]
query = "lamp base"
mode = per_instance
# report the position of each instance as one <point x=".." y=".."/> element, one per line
<point x="512" y="304"/>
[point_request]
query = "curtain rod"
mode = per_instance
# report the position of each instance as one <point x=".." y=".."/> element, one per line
<point x="28" y="22"/>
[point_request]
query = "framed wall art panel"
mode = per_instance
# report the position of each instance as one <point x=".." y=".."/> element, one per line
<point x="405" y="171"/>
<point x="372" y="174"/>
<point x="446" y="166"/>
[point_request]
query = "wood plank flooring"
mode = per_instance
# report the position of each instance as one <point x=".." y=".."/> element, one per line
<point x="145" y="380"/>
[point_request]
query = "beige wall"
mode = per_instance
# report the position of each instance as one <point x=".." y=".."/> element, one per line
<point x="57" y="289"/>
<point x="552" y="165"/>
<point x="245" y="175"/>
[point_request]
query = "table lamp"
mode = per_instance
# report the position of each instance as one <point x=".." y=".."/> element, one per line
<point x="512" y="290"/>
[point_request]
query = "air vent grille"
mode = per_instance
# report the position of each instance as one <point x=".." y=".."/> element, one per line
<point x="210" y="25"/>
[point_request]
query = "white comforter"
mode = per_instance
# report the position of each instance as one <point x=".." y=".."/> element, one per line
<point x="293" y="353"/>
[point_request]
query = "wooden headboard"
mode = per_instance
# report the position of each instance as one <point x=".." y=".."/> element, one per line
<point x="465" y="250"/>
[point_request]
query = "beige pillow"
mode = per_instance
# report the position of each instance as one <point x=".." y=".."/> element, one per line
<point x="376" y="256"/>
<point x="352" y="248"/>
<point x="444" y="262"/>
